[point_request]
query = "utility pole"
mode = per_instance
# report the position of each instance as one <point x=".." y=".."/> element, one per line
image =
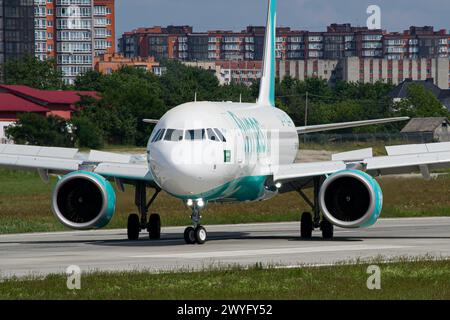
<point x="306" y="109"/>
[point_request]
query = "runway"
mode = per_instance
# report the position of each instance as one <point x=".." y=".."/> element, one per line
<point x="276" y="244"/>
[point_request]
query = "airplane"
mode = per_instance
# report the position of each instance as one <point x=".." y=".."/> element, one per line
<point x="224" y="152"/>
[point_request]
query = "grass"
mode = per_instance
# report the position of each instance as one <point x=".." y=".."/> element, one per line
<point x="419" y="279"/>
<point x="25" y="204"/>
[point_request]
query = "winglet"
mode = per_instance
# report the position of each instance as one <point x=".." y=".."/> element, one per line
<point x="267" y="87"/>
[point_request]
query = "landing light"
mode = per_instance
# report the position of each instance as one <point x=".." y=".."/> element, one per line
<point x="190" y="203"/>
<point x="200" y="203"/>
<point x="278" y="185"/>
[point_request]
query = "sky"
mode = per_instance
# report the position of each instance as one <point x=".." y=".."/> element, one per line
<point x="313" y="15"/>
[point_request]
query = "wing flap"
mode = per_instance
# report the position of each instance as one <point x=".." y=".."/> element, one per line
<point x="30" y="162"/>
<point x="428" y="157"/>
<point x="408" y="163"/>
<point x="417" y="148"/>
<point x="61" y="153"/>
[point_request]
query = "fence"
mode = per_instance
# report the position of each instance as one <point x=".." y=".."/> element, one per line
<point x="387" y="138"/>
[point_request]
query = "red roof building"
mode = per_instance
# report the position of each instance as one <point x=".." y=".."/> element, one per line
<point x="18" y="98"/>
<point x="11" y="105"/>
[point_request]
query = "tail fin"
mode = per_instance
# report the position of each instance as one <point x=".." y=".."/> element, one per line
<point x="267" y="88"/>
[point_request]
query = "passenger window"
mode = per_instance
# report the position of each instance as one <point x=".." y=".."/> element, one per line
<point x="212" y="136"/>
<point x="220" y="135"/>
<point x="195" y="134"/>
<point x="173" y="135"/>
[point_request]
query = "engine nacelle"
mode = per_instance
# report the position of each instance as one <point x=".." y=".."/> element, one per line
<point x="351" y="199"/>
<point x="84" y="200"/>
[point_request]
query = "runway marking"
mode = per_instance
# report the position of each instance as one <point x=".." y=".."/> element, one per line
<point x="275" y="251"/>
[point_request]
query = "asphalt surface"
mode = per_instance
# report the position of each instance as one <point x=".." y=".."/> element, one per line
<point x="276" y="244"/>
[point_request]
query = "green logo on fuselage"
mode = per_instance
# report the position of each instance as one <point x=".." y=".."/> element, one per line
<point x="255" y="141"/>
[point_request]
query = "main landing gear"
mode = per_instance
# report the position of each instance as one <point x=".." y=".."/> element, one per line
<point x="137" y="223"/>
<point x="309" y="221"/>
<point x="196" y="233"/>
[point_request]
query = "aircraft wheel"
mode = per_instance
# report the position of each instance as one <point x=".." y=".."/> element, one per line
<point x="189" y="235"/>
<point x="200" y="235"/>
<point x="133" y="227"/>
<point x="154" y="227"/>
<point x="306" y="225"/>
<point x="327" y="229"/>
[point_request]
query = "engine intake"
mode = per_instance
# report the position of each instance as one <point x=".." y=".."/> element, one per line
<point x="84" y="200"/>
<point x="351" y="199"/>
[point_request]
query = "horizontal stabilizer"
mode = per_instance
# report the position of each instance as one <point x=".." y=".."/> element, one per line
<point x="151" y="121"/>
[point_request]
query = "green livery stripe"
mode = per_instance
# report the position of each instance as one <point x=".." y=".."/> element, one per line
<point x="249" y="188"/>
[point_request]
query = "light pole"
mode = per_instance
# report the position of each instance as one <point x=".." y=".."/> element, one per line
<point x="306" y="109"/>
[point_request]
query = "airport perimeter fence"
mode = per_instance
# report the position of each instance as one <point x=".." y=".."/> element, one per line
<point x="385" y="138"/>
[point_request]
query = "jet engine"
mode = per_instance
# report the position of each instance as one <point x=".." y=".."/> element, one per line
<point x="84" y="200"/>
<point x="351" y="199"/>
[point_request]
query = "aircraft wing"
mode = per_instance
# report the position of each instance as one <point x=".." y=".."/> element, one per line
<point x="346" y="125"/>
<point x="50" y="160"/>
<point x="403" y="159"/>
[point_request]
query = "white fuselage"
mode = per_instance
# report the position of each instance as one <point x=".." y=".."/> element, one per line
<point x="220" y="151"/>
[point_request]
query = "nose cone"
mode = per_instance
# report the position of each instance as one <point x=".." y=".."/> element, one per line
<point x="184" y="176"/>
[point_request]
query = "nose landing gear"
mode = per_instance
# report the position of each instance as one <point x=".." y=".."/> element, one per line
<point x="196" y="233"/>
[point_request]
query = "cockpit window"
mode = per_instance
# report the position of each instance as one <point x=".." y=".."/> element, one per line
<point x="212" y="135"/>
<point x="158" y="136"/>
<point x="220" y="135"/>
<point x="155" y="135"/>
<point x="173" y="135"/>
<point x="195" y="134"/>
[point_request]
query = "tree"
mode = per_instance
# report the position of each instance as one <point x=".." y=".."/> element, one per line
<point x="33" y="72"/>
<point x="420" y="102"/>
<point x="35" y="129"/>
<point x="87" y="134"/>
<point x="129" y="95"/>
<point x="90" y="81"/>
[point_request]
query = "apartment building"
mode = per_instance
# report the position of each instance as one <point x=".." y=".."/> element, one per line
<point x="16" y="29"/>
<point x="226" y="72"/>
<point x="104" y="27"/>
<point x="161" y="43"/>
<point x="350" y="69"/>
<point x="74" y="32"/>
<point x="108" y="63"/>
<point x="395" y="71"/>
<point x="337" y="42"/>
